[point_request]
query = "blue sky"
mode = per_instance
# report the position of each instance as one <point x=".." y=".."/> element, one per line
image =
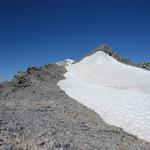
<point x="37" y="32"/>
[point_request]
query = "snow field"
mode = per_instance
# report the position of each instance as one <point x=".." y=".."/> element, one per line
<point x="119" y="93"/>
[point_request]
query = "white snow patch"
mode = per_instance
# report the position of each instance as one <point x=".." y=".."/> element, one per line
<point x="119" y="93"/>
<point x="66" y="62"/>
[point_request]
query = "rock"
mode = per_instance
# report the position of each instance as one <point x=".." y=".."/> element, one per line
<point x="7" y="147"/>
<point x="42" y="143"/>
<point x="66" y="147"/>
<point x="32" y="70"/>
<point x="144" y="65"/>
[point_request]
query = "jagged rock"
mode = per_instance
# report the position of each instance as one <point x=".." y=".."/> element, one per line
<point x="32" y="70"/>
<point x="144" y="65"/>
<point x="21" y="80"/>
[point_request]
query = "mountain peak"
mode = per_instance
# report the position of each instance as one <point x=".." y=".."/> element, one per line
<point x="105" y="48"/>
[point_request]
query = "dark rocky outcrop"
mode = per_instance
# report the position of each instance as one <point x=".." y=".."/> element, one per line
<point x="144" y="65"/>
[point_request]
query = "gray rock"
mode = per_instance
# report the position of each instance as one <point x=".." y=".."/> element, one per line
<point x="144" y="65"/>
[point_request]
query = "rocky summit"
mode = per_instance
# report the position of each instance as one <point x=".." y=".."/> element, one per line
<point x="35" y="114"/>
<point x="105" y="48"/>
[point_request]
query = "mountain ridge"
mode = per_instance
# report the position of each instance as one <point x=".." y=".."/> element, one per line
<point x="105" y="48"/>
<point x="100" y="80"/>
<point x="36" y="114"/>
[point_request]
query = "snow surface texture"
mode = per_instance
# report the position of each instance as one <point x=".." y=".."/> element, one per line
<point x="66" y="62"/>
<point x="119" y="93"/>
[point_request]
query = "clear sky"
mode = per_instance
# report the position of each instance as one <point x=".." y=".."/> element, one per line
<point x="37" y="32"/>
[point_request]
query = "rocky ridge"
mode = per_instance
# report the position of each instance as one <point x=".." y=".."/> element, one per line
<point x="35" y="114"/>
<point x="105" y="48"/>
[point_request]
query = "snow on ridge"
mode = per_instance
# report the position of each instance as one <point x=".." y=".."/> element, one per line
<point x="103" y="70"/>
<point x="119" y="93"/>
<point x="66" y="62"/>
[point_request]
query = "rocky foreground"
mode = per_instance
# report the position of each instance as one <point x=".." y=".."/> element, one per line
<point x="36" y="115"/>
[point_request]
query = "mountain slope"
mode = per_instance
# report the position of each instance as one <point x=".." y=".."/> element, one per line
<point x="36" y="114"/>
<point x="119" y="93"/>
